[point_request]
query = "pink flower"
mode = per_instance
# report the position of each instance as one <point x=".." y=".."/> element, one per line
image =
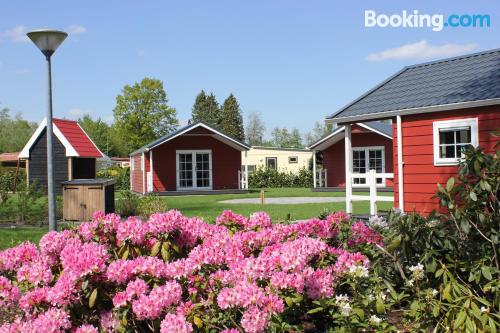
<point x="133" y="230"/>
<point x="8" y="293"/>
<point x="109" y="323"/>
<point x="174" y="323"/>
<point x="254" y="320"/>
<point x="11" y="259"/>
<point x="36" y="272"/>
<point x="151" y="306"/>
<point x="362" y="234"/>
<point x="86" y="329"/>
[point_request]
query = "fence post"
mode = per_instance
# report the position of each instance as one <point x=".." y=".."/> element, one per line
<point x="372" y="180"/>
<point x="239" y="180"/>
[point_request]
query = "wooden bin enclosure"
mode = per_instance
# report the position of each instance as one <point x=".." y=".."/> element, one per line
<point x="82" y="197"/>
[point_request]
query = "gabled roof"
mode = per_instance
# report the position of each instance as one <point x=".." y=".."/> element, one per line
<point x="382" y="129"/>
<point x="70" y="134"/>
<point x="217" y="134"/>
<point x="9" y="157"/>
<point x="454" y="83"/>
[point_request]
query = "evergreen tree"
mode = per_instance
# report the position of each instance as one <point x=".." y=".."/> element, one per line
<point x="231" y="121"/>
<point x="206" y="109"/>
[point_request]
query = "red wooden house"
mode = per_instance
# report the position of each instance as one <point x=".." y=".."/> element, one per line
<point x="437" y="109"/>
<point x="75" y="154"/>
<point x="194" y="159"/>
<point x="372" y="149"/>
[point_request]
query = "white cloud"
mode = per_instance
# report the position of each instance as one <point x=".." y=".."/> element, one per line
<point x="422" y="50"/>
<point x="76" y="29"/>
<point x="16" y="34"/>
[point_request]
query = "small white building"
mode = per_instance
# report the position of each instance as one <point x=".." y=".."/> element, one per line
<point x="281" y="159"/>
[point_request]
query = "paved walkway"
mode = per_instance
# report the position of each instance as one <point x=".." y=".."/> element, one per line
<point x="304" y="200"/>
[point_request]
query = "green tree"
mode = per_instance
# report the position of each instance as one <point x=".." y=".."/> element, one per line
<point x="15" y="131"/>
<point x="142" y="113"/>
<point x="206" y="109"/>
<point x="319" y="131"/>
<point x="255" y="129"/>
<point x="98" y="131"/>
<point x="231" y="121"/>
<point x="283" y="138"/>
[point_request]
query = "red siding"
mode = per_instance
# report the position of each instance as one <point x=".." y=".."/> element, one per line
<point x="334" y="158"/>
<point x="420" y="174"/>
<point x="226" y="161"/>
<point x="136" y="174"/>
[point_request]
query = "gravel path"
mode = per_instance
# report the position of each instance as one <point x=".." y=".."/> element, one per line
<point x="303" y="200"/>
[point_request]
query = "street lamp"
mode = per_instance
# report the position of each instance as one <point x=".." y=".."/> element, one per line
<point x="48" y="41"/>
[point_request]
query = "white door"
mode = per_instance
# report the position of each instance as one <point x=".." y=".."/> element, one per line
<point x="365" y="159"/>
<point x="194" y="170"/>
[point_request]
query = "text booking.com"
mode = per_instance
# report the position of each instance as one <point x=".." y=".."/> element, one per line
<point x="436" y="22"/>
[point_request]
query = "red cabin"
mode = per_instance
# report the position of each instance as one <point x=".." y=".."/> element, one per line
<point x="197" y="158"/>
<point x="437" y="109"/>
<point x="371" y="148"/>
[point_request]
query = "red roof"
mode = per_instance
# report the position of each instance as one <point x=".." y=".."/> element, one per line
<point x="77" y="137"/>
<point x="9" y="157"/>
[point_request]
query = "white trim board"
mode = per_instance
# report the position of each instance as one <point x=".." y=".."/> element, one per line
<point x="70" y="150"/>
<point x="193" y="169"/>
<point x="450" y="124"/>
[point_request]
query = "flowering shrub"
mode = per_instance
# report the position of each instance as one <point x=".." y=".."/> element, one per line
<point x="172" y="273"/>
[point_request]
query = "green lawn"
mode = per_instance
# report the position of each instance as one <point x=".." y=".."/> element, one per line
<point x="209" y="207"/>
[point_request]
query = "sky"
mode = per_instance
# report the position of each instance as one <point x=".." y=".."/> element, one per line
<point x="292" y="62"/>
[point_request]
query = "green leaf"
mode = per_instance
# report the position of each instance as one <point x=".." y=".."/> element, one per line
<point x="92" y="298"/>
<point x="197" y="321"/>
<point x="473" y="196"/>
<point x="396" y="241"/>
<point x="156" y="248"/>
<point x="446" y="293"/>
<point x="460" y="319"/>
<point x="315" y="310"/>
<point x="125" y="254"/>
<point x="486" y="273"/>
<point x="289" y="301"/>
<point x="441" y="188"/>
<point x="465" y="226"/>
<point x="359" y="312"/>
<point x="449" y="184"/>
<point x="380" y="307"/>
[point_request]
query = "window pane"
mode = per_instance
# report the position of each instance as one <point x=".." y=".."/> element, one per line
<point x="446" y="137"/>
<point x="461" y="149"/>
<point x="447" y="151"/>
<point x="463" y="136"/>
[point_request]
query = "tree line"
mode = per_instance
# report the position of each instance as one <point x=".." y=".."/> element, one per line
<point x="142" y="114"/>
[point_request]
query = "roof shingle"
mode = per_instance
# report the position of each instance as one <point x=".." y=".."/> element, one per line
<point x="468" y="78"/>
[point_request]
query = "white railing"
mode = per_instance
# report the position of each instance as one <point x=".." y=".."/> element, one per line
<point x="242" y="180"/>
<point x="371" y="180"/>
<point x="321" y="180"/>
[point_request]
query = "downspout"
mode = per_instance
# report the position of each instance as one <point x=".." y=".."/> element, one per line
<point x="400" y="163"/>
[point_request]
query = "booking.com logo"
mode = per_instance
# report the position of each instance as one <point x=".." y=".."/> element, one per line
<point x="435" y="21"/>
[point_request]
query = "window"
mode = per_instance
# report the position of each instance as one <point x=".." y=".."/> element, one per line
<point x="272" y="163"/>
<point x="251" y="168"/>
<point x="451" y="138"/>
<point x="365" y="159"/>
<point x="293" y="159"/>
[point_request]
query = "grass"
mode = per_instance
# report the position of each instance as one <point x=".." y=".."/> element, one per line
<point x="208" y="207"/>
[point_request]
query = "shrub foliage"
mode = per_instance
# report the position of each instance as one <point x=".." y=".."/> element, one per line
<point x="264" y="177"/>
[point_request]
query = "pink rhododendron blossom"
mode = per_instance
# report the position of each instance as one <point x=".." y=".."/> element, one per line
<point x="239" y="265"/>
<point x="86" y="329"/>
<point x="175" y="324"/>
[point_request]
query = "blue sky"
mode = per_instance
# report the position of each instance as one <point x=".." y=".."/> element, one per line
<point x="293" y="62"/>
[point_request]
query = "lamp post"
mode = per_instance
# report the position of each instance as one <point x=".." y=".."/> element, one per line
<point x="48" y="41"/>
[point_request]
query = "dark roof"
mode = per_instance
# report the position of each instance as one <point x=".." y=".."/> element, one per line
<point x="381" y="127"/>
<point x="377" y="126"/>
<point x="183" y="130"/>
<point x="468" y="78"/>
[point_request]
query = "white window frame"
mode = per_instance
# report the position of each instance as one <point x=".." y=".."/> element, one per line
<point x="294" y="157"/>
<point x="132" y="163"/>
<point x="367" y="163"/>
<point x="453" y="124"/>
<point x="177" y="169"/>
<point x="272" y="158"/>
